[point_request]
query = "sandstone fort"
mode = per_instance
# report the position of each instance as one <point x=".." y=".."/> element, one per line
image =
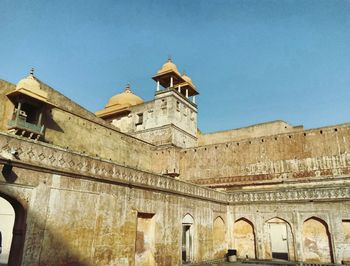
<point x="136" y="183"/>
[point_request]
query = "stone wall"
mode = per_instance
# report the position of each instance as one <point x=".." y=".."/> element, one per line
<point x="6" y="107"/>
<point x="167" y="120"/>
<point x="298" y="156"/>
<point x="254" y="131"/>
<point x="79" y="209"/>
<point x="314" y="230"/>
<point x="83" y="210"/>
<point x="71" y="127"/>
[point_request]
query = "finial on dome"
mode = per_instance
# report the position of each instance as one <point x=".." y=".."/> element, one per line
<point x="169" y="58"/>
<point x="31" y="71"/>
<point x="127" y="88"/>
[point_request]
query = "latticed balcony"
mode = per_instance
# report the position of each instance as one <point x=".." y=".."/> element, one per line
<point x="21" y="124"/>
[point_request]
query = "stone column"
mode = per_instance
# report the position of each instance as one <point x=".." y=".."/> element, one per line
<point x="186" y="93"/>
<point x="158" y="87"/>
<point x="194" y="99"/>
<point x="171" y="82"/>
<point x="18" y="110"/>
<point x="259" y="237"/>
<point x="40" y="118"/>
<point x="298" y="238"/>
<point x="229" y="226"/>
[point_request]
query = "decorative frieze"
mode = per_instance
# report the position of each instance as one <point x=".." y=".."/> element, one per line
<point x="292" y="195"/>
<point x="58" y="160"/>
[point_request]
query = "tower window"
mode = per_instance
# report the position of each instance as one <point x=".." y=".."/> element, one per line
<point x="164" y="104"/>
<point x="139" y="119"/>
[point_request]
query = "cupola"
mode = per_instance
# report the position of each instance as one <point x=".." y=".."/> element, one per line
<point x="168" y="76"/>
<point x="120" y="103"/>
<point x="30" y="102"/>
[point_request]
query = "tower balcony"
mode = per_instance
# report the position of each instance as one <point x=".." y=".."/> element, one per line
<point x="21" y="127"/>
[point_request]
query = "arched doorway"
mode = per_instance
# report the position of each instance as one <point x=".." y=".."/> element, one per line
<point x="12" y="227"/>
<point x="7" y="220"/>
<point x="316" y="241"/>
<point x="187" y="238"/>
<point x="281" y="240"/>
<point x="244" y="238"/>
<point x="219" y="241"/>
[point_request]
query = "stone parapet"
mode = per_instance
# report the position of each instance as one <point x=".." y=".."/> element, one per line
<point x="340" y="192"/>
<point x="48" y="158"/>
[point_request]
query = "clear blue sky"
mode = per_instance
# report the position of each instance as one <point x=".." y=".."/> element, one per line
<point x="252" y="61"/>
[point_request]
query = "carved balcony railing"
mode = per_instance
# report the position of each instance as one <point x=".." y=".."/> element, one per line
<point x="22" y="125"/>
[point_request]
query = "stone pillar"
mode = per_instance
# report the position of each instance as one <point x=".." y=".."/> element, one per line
<point x="18" y="110"/>
<point x="229" y="226"/>
<point x="186" y="93"/>
<point x="298" y="238"/>
<point x="179" y="89"/>
<point x="171" y="82"/>
<point x="194" y="99"/>
<point x="40" y="118"/>
<point x="259" y="237"/>
<point x="158" y="87"/>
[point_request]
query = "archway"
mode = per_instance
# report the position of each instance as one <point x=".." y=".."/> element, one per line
<point x="316" y="241"/>
<point x="187" y="238"/>
<point x="12" y="227"/>
<point x="281" y="241"/>
<point x="7" y="220"/>
<point x="219" y="243"/>
<point x="244" y="238"/>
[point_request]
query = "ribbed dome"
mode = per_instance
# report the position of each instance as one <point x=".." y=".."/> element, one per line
<point x="168" y="66"/>
<point x="124" y="99"/>
<point x="28" y="83"/>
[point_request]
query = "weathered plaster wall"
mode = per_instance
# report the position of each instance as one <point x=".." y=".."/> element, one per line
<point x="167" y="135"/>
<point x="254" y="131"/>
<point x="6" y="107"/>
<point x="311" y="154"/>
<point x="78" y="134"/>
<point x="72" y="127"/>
<point x="168" y="119"/>
<point x="219" y="238"/>
<point x="83" y="210"/>
<point x="88" y="223"/>
<point x="303" y="243"/>
<point x="244" y="239"/>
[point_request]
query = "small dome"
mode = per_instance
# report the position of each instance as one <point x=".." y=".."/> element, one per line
<point x="168" y="66"/>
<point x="188" y="80"/>
<point x="29" y="83"/>
<point x="30" y="86"/>
<point x="124" y="99"/>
